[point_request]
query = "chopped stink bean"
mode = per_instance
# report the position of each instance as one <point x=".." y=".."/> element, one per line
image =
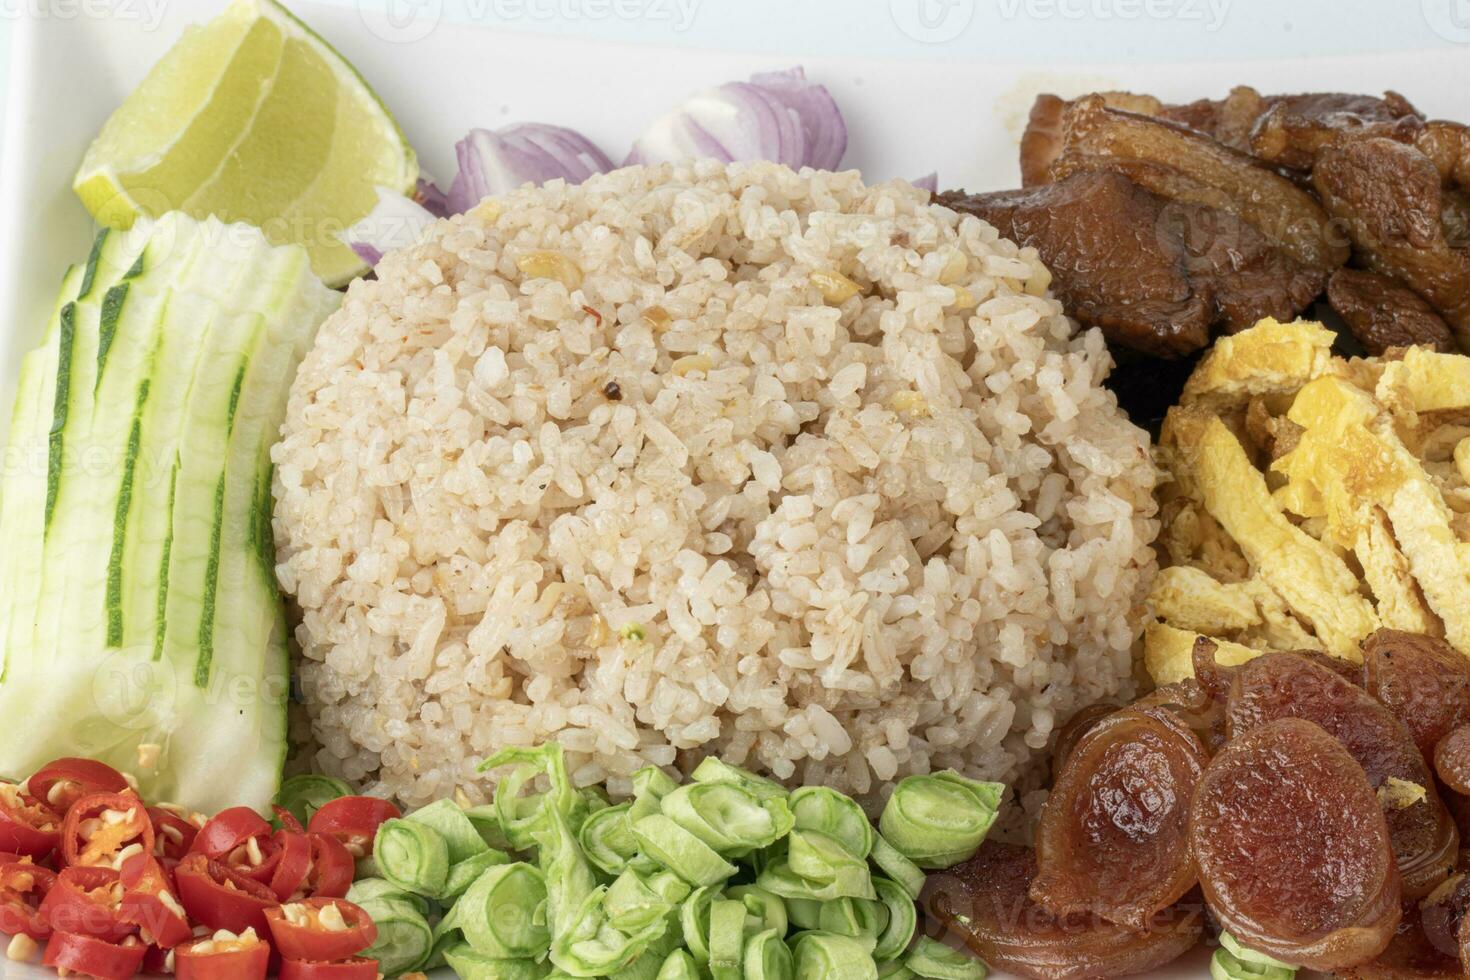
<point x="648" y="887"/>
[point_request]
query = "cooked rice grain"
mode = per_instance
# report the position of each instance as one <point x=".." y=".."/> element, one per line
<point x="606" y="464"/>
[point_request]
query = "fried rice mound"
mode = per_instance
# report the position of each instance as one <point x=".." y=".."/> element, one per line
<point x="708" y="459"/>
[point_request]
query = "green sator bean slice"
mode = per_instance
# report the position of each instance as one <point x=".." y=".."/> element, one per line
<point x="607" y="839"/>
<point x="767" y="957"/>
<point x="679" y="966"/>
<point x="459" y="833"/>
<point x="839" y="817"/>
<point x="823" y="956"/>
<point x="404" y="938"/>
<point x="731" y="820"/>
<point x="764" y="911"/>
<point x="680" y="851"/>
<point x="939" y="820"/>
<point x="470" y="964"/>
<point x="304" y="795"/>
<point x="900" y="921"/>
<point x="715" y="770"/>
<point x="413" y="856"/>
<point x="887" y="859"/>
<point x="503" y="914"/>
<point x="936" y="961"/>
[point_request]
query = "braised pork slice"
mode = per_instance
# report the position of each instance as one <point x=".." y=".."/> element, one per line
<point x="1181" y="164"/>
<point x="1099" y="235"/>
<point x="1388" y="198"/>
<point x="1382" y="313"/>
<point x="1294" y="129"/>
<point x="1409" y="956"/>
<point x="1155" y="275"/>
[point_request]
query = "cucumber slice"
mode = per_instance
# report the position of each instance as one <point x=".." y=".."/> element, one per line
<point x="148" y="547"/>
<point x="239" y="595"/>
<point x="155" y="638"/>
<point x="71" y="468"/>
<point x="132" y="318"/>
<point x="23" y="498"/>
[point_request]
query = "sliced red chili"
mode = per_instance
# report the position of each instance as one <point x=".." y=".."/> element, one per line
<point x="257" y="858"/>
<point x="87" y="901"/>
<point x="355" y="968"/>
<point x="354" y="820"/>
<point x="287" y="819"/>
<point x="220" y="898"/>
<point x="156" y="960"/>
<point x="151" y="903"/>
<point x="64" y="781"/>
<point x="332" y="868"/>
<point x="172" y="834"/>
<point x="321" y="929"/>
<point x="227" y="830"/>
<point x="243" y="841"/>
<point x="99" y="828"/>
<point x="27" y="826"/>
<point x="23" y="887"/>
<point x="293" y="864"/>
<point x="210" y="958"/>
<point x="94" y="957"/>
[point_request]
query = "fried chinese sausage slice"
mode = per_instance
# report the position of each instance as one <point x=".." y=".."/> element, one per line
<point x="1442" y="915"/>
<point x="1409" y="956"/>
<point x="1113" y="838"/>
<point x="1293" y="850"/>
<point x="1084" y="721"/>
<point x="1424" y="682"/>
<point x="986" y="902"/>
<point x="1190" y="702"/>
<point x="1215" y="678"/>
<point x="1452" y="760"/>
<point x="1284" y="685"/>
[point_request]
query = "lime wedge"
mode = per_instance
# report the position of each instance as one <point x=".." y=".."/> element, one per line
<point x="252" y="118"/>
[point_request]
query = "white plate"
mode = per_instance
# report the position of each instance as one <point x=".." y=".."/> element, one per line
<point x="905" y="118"/>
